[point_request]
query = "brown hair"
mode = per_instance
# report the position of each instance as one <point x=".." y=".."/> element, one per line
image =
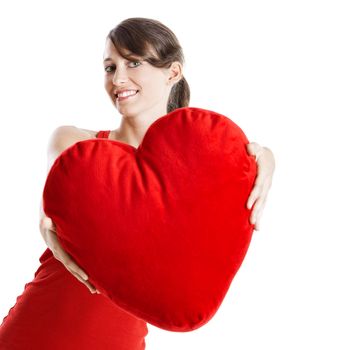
<point x="140" y="35"/>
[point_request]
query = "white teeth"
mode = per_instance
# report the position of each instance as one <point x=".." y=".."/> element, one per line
<point x="127" y="93"/>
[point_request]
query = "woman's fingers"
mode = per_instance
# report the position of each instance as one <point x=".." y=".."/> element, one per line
<point x="265" y="169"/>
<point x="68" y="262"/>
<point x="87" y="283"/>
<point x="74" y="269"/>
<point x="51" y="239"/>
<point x="257" y="189"/>
<point x="257" y="212"/>
<point x="259" y="205"/>
<point x="255" y="193"/>
<point x="254" y="149"/>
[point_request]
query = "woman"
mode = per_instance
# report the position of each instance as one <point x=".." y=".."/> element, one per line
<point x="143" y="65"/>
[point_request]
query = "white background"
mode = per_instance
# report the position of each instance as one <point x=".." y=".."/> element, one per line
<point x="280" y="70"/>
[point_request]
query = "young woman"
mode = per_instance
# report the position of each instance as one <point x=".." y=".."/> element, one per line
<point x="143" y="65"/>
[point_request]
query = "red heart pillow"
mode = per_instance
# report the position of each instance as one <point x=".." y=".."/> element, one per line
<point x="163" y="228"/>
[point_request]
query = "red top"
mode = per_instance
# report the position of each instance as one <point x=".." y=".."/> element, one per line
<point x="56" y="311"/>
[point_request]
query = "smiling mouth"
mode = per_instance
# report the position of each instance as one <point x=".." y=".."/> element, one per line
<point x="125" y="97"/>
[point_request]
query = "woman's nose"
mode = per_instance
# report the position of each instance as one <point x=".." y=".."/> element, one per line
<point x="120" y="76"/>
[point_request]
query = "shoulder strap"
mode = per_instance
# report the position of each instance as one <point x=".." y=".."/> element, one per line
<point x="103" y="134"/>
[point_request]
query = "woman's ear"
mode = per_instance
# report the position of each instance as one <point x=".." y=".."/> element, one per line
<point x="175" y="73"/>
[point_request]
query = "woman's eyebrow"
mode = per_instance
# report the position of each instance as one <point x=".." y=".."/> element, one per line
<point x="127" y="55"/>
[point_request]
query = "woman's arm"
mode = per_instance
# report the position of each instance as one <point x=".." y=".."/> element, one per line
<point x="61" y="139"/>
<point x="266" y="167"/>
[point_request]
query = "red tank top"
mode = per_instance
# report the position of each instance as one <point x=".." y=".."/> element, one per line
<point x="58" y="312"/>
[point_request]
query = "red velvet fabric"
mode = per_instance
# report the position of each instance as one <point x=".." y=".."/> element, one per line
<point x="160" y="229"/>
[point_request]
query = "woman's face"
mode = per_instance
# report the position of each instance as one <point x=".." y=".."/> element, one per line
<point x="152" y="83"/>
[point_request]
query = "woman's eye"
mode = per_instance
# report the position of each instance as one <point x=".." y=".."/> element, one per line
<point x="136" y="62"/>
<point x="106" y="69"/>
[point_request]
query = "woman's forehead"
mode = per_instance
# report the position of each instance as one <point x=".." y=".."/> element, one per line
<point x="111" y="52"/>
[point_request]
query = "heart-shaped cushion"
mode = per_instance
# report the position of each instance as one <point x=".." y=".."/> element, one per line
<point x="163" y="228"/>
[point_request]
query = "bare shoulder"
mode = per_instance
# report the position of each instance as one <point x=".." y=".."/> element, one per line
<point x="65" y="136"/>
<point x="92" y="133"/>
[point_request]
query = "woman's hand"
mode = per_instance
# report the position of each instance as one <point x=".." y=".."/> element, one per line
<point x="266" y="167"/>
<point x="48" y="231"/>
